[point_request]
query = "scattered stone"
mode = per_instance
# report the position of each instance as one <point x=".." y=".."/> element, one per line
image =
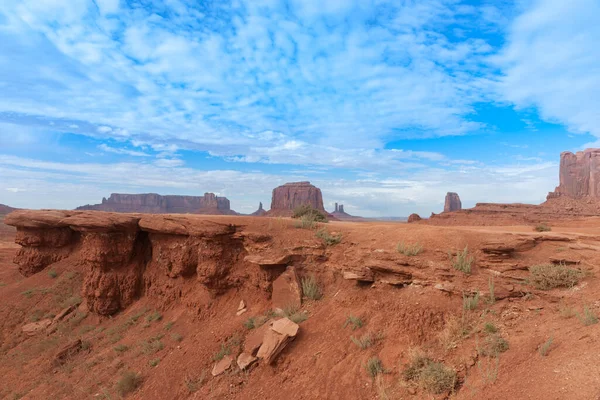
<point x="240" y="312"/>
<point x="273" y="344"/>
<point x="242" y="305"/>
<point x="68" y="351"/>
<point x="285" y="326"/>
<point x="286" y="290"/>
<point x="61" y="315"/>
<point x="34" y="328"/>
<point x="244" y="360"/>
<point x="222" y="366"/>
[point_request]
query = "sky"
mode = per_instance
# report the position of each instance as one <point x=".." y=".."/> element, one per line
<point x="384" y="105"/>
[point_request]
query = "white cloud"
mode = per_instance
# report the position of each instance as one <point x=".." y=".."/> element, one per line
<point x="127" y="152"/>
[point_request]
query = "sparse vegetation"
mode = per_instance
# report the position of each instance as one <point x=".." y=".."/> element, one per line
<point x="542" y="228"/>
<point x="250" y="323"/>
<point x="153" y="345"/>
<point x="354" y="322"/>
<point x="588" y="317"/>
<point x="306" y="222"/>
<point x="545" y="348"/>
<point x="193" y="383"/>
<point x="176" y="337"/>
<point x="491" y="287"/>
<point x="311" y="288"/>
<point x="550" y="276"/>
<point x="52" y="274"/>
<point x="409" y="249"/>
<point x="121" y="348"/>
<point x="374" y="367"/>
<point x="169" y="325"/>
<point x="328" y="238"/>
<point x="489" y="327"/>
<point x="470" y="302"/>
<point x="493" y="345"/>
<point x="28" y="293"/>
<point x="154" y="316"/>
<point x="226" y="348"/>
<point x="364" y="342"/>
<point x="154" y="363"/>
<point x="307" y="211"/>
<point x="298" y="317"/>
<point x="128" y="383"/>
<point x="566" y="311"/>
<point x="462" y="261"/>
<point x="456" y="329"/>
<point x="432" y="376"/>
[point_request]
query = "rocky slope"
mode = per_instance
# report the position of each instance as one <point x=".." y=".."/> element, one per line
<point x="291" y="195"/>
<point x="579" y="175"/>
<point x="153" y="203"/>
<point x="183" y="302"/>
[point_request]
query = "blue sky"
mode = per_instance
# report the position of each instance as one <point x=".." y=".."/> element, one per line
<point x="385" y="105"/>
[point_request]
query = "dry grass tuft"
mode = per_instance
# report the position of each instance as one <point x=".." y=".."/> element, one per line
<point x="550" y="276"/>
<point x="432" y="376"/>
<point x="409" y="249"/>
<point x="311" y="288"/>
<point x="128" y="383"/>
<point x="463" y="261"/>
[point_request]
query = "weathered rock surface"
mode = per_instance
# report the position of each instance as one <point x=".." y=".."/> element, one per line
<point x="156" y="204"/>
<point x="34" y="328"/>
<point x="579" y="174"/>
<point x="255" y="339"/>
<point x="274" y="342"/>
<point x="291" y="195"/>
<point x="452" y="202"/>
<point x="286" y="290"/>
<point x="414" y="218"/>
<point x="68" y="351"/>
<point x="222" y="365"/>
<point x="244" y="360"/>
<point x="285" y="326"/>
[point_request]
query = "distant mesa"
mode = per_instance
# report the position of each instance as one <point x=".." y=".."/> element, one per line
<point x="295" y="194"/>
<point x="452" y="202"/>
<point x="414" y="218"/>
<point x="152" y="203"/>
<point x="340" y="214"/>
<point x="579" y="175"/>
<point x="260" y="212"/>
<point x="4" y="209"/>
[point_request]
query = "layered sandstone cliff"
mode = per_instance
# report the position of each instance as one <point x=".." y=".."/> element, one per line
<point x="153" y="203"/>
<point x="452" y="202"/>
<point x="579" y="175"/>
<point x="295" y="194"/>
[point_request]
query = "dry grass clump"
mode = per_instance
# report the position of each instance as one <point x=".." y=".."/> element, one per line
<point x="463" y="261"/>
<point x="311" y="288"/>
<point x="493" y="345"/>
<point x="409" y="249"/>
<point x="545" y="348"/>
<point x="308" y="217"/>
<point x="542" y="228"/>
<point x="128" y="383"/>
<point x="364" y="342"/>
<point x="374" y="367"/>
<point x="354" y="322"/>
<point x="588" y="317"/>
<point x="328" y="238"/>
<point x="550" y="276"/>
<point x="432" y="376"/>
<point x="470" y="302"/>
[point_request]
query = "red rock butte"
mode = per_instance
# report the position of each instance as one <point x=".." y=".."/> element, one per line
<point x="452" y="202"/>
<point x="291" y="195"/>
<point x="152" y="203"/>
<point x="579" y="175"/>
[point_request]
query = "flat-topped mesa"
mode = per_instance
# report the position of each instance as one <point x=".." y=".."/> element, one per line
<point x="452" y="202"/>
<point x="153" y="203"/>
<point x="295" y="194"/>
<point x="579" y="175"/>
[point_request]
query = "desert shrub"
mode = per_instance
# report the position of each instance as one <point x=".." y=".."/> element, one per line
<point x="227" y="348"/>
<point x="470" y="302"/>
<point x="456" y="329"/>
<point x="545" y="348"/>
<point x="52" y="274"/>
<point x="28" y="293"/>
<point x="311" y="288"/>
<point x="588" y="317"/>
<point x="566" y="311"/>
<point x="154" y="363"/>
<point x="542" y="228"/>
<point x="550" y="276"/>
<point x="155" y="316"/>
<point x="307" y="210"/>
<point x="374" y="367"/>
<point x="354" y="322"/>
<point x="169" y="325"/>
<point x="409" y="249"/>
<point x="489" y="327"/>
<point x="364" y="342"/>
<point x="463" y="261"/>
<point x="153" y="345"/>
<point x="327" y="238"/>
<point x="128" y="383"/>
<point x="493" y="345"/>
<point x="250" y="323"/>
<point x="306" y="222"/>
<point x="121" y="348"/>
<point x="176" y="337"/>
<point x="432" y="376"/>
<point x="193" y="383"/>
<point x="298" y="317"/>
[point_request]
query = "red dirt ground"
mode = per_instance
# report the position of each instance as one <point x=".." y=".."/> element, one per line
<point x="322" y="363"/>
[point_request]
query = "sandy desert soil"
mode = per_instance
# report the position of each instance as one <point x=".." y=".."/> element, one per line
<point x="170" y="341"/>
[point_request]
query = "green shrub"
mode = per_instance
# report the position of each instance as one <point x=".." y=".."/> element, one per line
<point x="128" y="383"/>
<point x="355" y="322"/>
<point x="550" y="276"/>
<point x="542" y="228"/>
<point x="409" y="249"/>
<point x="374" y="367"/>
<point x="463" y="261"/>
<point x="307" y="210"/>
<point x="327" y="238"/>
<point x="311" y="288"/>
<point x="489" y="327"/>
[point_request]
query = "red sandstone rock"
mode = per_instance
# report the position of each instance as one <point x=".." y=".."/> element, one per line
<point x="255" y="339"/>
<point x="286" y="290"/>
<point x="260" y="212"/>
<point x="291" y="195"/>
<point x="273" y="344"/>
<point x="285" y="326"/>
<point x="156" y="204"/>
<point x="222" y="366"/>
<point x="244" y="360"/>
<point x="414" y="218"/>
<point x="34" y="328"/>
<point x="68" y="351"/>
<point x="452" y="202"/>
<point x="579" y="174"/>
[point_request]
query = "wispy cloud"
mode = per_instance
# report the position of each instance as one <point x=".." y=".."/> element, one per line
<point x="114" y="150"/>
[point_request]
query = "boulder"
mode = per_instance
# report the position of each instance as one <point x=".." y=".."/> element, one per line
<point x="244" y="360"/>
<point x="579" y="175"/>
<point x="34" y="328"/>
<point x="286" y="327"/>
<point x="68" y="351"/>
<point x="255" y="339"/>
<point x="291" y="195"/>
<point x="414" y="218"/>
<point x="273" y="344"/>
<point x="222" y="366"/>
<point x="286" y="290"/>
<point x="452" y="202"/>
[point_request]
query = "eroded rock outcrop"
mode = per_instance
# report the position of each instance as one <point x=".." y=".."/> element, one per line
<point x="413" y="218"/>
<point x="452" y="202"/>
<point x="260" y="212"/>
<point x="291" y="195"/>
<point x="153" y="203"/>
<point x="579" y="175"/>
